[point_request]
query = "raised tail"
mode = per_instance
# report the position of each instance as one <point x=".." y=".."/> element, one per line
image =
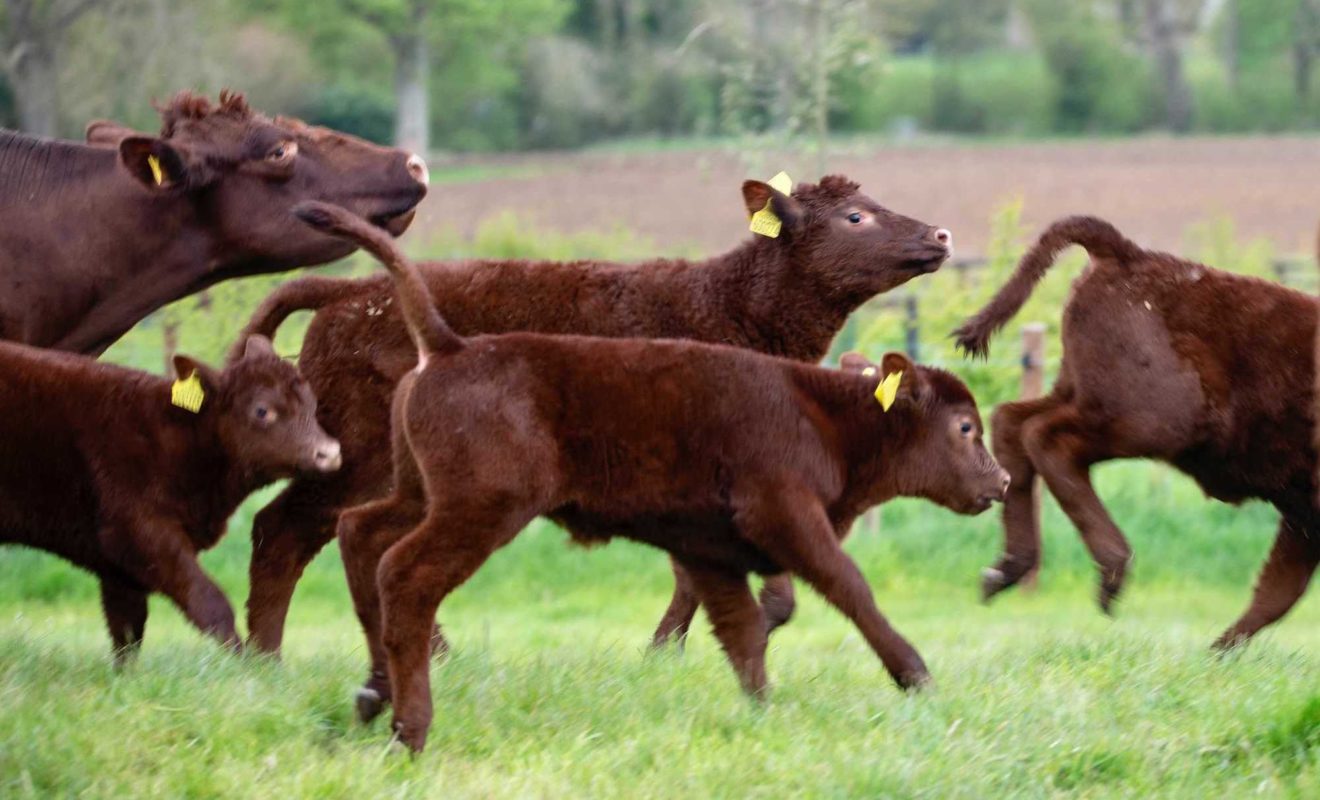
<point x="429" y="330"/>
<point x="1100" y="239"/>
<point x="310" y="293"/>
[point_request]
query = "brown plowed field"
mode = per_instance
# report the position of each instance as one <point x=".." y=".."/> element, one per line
<point x="1152" y="188"/>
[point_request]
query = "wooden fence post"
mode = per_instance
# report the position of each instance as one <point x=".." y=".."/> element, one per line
<point x="1033" y="385"/>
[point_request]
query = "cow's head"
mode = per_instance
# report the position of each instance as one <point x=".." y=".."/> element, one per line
<point x="938" y="429"/>
<point x="845" y="242"/>
<point x="243" y="172"/>
<point x="263" y="413"/>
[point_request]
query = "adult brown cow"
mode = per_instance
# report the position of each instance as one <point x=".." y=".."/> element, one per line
<point x="93" y="239"/>
<point x="1163" y="358"/>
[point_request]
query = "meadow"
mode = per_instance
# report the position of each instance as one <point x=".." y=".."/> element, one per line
<point x="549" y="691"/>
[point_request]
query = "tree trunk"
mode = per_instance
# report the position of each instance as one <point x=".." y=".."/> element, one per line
<point x="34" y="79"/>
<point x="412" y="69"/>
<point x="1162" y="27"/>
<point x="1232" y="44"/>
<point x="820" y="89"/>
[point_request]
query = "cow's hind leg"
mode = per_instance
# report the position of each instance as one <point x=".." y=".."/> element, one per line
<point x="777" y="601"/>
<point x="1282" y="582"/>
<point x="1063" y="447"/>
<point x="414" y="576"/>
<point x="677" y="620"/>
<point x="125" y="605"/>
<point x="365" y="534"/>
<point x="1021" y="515"/>
<point x="286" y="535"/>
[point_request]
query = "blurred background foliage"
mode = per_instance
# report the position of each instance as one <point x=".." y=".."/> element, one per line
<point x="472" y="75"/>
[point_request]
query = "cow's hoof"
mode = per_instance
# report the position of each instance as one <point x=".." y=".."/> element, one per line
<point x="410" y="736"/>
<point x="915" y="681"/>
<point x="368" y="704"/>
<point x="993" y="581"/>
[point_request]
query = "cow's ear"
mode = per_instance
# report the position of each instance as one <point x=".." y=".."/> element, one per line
<point x="912" y="385"/>
<point x="855" y="362"/>
<point x="185" y="367"/>
<point x="159" y="165"/>
<point x="258" y="346"/>
<point x="757" y="193"/>
<point x="108" y="134"/>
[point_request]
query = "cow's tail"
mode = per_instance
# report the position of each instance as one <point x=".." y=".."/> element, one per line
<point x="1100" y="239"/>
<point x="429" y="330"/>
<point x="310" y="293"/>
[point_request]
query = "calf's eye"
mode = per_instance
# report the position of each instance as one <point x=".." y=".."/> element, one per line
<point x="264" y="414"/>
<point x="854" y="217"/>
<point x="966" y="428"/>
<point x="282" y="152"/>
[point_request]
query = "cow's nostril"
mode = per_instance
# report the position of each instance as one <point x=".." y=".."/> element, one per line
<point x="417" y="168"/>
<point x="328" y="456"/>
<point x="944" y="237"/>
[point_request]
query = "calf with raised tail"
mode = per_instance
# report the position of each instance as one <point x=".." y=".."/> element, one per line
<point x="1166" y="359"/>
<point x="731" y="461"/>
<point x="129" y="476"/>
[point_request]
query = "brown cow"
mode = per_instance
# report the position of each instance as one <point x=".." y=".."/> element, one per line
<point x="1163" y="358"/>
<point x="98" y="466"/>
<point x="731" y="461"/>
<point x="96" y="238"/>
<point x="786" y="296"/>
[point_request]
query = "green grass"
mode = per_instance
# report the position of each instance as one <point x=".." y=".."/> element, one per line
<point x="548" y="692"/>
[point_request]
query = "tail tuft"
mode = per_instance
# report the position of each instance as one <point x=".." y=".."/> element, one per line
<point x="1101" y="240"/>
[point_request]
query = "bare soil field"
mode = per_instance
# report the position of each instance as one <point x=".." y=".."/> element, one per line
<point x="688" y="199"/>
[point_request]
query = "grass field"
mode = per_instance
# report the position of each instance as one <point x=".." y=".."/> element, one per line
<point x="549" y="692"/>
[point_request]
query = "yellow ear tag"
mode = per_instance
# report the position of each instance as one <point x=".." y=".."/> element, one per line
<point x="187" y="393"/>
<point x="888" y="389"/>
<point x="765" y="222"/>
<point x="156" y="172"/>
<point x="869" y="372"/>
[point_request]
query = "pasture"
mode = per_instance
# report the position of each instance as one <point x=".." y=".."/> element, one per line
<point x="549" y="691"/>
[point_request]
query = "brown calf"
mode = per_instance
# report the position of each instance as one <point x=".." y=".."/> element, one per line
<point x="731" y="461"/>
<point x="787" y="296"/>
<point x="1163" y="358"/>
<point x="95" y="238"/>
<point x="98" y="466"/>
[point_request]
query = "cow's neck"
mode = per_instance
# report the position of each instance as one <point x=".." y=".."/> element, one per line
<point x="204" y="477"/>
<point x="120" y="252"/>
<point x="775" y="304"/>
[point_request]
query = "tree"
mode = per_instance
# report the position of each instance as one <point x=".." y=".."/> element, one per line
<point x="1167" y="25"/>
<point x="421" y="35"/>
<point x="32" y="36"/>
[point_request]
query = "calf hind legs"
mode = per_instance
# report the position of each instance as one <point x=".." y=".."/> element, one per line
<point x="365" y="534"/>
<point x="776" y="598"/>
<point x="1063" y="448"/>
<point x="1292" y="562"/>
<point x="414" y="576"/>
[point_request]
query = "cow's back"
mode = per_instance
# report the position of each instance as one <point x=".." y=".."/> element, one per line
<point x="1215" y="369"/>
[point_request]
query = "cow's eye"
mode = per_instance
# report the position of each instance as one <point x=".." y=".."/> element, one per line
<point x="265" y="414"/>
<point x="855" y="217"/>
<point x="965" y="428"/>
<point x="283" y="152"/>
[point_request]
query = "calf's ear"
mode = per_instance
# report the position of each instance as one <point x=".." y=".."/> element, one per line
<point x="855" y="362"/>
<point x="108" y="134"/>
<point x="912" y="386"/>
<point x="757" y="193"/>
<point x="185" y="367"/>
<point x="258" y="346"/>
<point x="159" y="165"/>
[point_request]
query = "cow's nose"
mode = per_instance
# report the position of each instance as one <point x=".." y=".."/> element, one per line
<point x="1004" y="481"/>
<point x="416" y="166"/>
<point x="328" y="457"/>
<point x="944" y="237"/>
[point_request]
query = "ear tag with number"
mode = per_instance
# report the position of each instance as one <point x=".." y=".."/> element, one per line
<point x="186" y="393"/>
<point x="156" y="171"/>
<point x="765" y="222"/>
<point x="888" y="389"/>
